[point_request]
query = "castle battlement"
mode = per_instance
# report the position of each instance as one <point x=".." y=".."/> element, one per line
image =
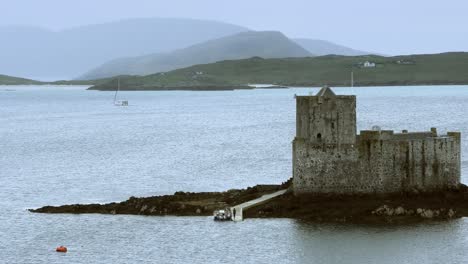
<point x="405" y="136"/>
<point x="329" y="157"/>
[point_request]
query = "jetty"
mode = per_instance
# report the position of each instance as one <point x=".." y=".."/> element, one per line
<point x="244" y="206"/>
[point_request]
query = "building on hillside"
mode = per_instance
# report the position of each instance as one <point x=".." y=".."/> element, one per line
<point x="329" y="157"/>
<point x="368" y="64"/>
<point x="406" y="62"/>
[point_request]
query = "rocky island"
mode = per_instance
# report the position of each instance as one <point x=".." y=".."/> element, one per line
<point x="397" y="208"/>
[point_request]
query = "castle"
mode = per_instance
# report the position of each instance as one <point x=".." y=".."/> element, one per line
<point x="329" y="157"/>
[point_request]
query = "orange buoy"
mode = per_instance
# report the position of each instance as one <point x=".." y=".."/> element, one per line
<point x="61" y="249"/>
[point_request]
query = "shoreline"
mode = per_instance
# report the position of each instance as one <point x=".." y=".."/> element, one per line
<point x="401" y="208"/>
<point x="280" y="86"/>
<point x="177" y="204"/>
<point x="241" y="87"/>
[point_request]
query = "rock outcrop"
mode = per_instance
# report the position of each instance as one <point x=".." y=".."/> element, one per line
<point x="396" y="208"/>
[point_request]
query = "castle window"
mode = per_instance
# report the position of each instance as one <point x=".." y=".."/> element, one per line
<point x="319" y="136"/>
<point x="333" y="125"/>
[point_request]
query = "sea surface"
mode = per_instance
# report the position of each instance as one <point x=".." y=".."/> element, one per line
<point x="63" y="144"/>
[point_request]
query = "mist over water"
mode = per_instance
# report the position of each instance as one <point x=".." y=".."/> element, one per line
<point x="61" y="145"/>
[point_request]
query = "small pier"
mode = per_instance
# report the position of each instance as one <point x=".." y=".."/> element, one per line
<point x="244" y="206"/>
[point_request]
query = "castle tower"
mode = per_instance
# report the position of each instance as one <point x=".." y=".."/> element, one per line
<point x="323" y="148"/>
<point x="326" y="118"/>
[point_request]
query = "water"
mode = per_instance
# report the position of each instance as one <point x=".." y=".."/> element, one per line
<point x="62" y="145"/>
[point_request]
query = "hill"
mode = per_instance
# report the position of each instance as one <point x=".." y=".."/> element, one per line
<point x="323" y="47"/>
<point x="445" y="68"/>
<point x="29" y="51"/>
<point x="266" y="44"/>
<point x="9" y="80"/>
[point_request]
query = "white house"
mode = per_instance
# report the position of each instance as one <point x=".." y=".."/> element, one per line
<point x="369" y="64"/>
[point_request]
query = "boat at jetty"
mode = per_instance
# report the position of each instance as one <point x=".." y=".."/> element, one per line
<point x="222" y="215"/>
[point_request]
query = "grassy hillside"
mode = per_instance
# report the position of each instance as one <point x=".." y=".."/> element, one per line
<point x="446" y="68"/>
<point x="83" y="82"/>
<point x="265" y="44"/>
<point x="9" y="80"/>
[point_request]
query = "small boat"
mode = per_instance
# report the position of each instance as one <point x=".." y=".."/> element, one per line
<point x="222" y="215"/>
<point x="61" y="249"/>
<point x="119" y="102"/>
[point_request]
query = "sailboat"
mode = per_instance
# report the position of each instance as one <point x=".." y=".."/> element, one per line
<point x="119" y="102"/>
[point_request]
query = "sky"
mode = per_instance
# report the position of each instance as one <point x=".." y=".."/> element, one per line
<point x="383" y="26"/>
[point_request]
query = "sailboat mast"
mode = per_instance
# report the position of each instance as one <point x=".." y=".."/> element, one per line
<point x="116" y="91"/>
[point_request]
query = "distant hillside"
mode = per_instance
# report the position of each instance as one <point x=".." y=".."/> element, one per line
<point x="266" y="44"/>
<point x="30" y="51"/>
<point x="446" y="68"/>
<point x="323" y="47"/>
<point x="9" y="80"/>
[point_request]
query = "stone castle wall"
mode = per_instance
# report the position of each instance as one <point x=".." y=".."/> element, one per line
<point x="372" y="162"/>
<point x="376" y="166"/>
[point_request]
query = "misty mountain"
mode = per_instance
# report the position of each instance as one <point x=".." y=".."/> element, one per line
<point x="265" y="44"/>
<point x="323" y="47"/>
<point x="36" y="52"/>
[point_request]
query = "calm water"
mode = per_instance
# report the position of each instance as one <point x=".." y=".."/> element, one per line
<point x="62" y="145"/>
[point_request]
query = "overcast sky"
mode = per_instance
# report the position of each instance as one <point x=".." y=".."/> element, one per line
<point x="384" y="26"/>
